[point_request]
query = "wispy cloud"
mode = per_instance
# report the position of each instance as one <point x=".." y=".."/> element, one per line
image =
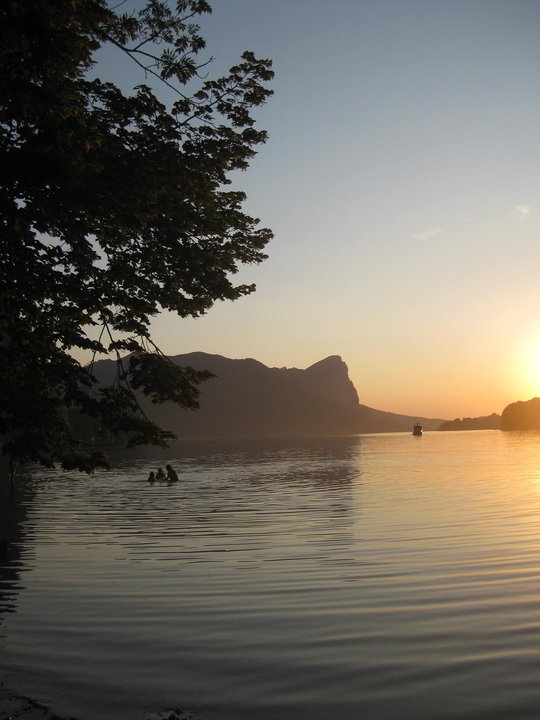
<point x="427" y="235"/>
<point x="521" y="212"/>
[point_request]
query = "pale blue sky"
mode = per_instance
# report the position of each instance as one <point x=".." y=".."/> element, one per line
<point x="402" y="182"/>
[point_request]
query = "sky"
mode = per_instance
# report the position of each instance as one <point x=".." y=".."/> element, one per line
<point x="401" y="179"/>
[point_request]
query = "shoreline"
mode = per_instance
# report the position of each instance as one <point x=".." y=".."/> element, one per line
<point x="20" y="707"/>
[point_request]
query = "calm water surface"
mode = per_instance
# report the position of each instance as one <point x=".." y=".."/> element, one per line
<point x="381" y="577"/>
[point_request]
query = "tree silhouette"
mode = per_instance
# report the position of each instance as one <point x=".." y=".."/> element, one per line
<point x="113" y="206"/>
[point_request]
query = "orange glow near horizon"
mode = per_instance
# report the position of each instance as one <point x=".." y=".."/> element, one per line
<point x="529" y="367"/>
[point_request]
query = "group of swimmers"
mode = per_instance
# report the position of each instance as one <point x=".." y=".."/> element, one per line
<point x="160" y="476"/>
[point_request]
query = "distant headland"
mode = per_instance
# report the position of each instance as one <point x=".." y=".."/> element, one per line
<point x="522" y="415"/>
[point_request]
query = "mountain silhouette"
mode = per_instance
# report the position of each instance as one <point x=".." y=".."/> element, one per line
<point x="249" y="399"/>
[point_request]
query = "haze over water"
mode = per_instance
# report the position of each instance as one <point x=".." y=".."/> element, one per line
<point x="379" y="576"/>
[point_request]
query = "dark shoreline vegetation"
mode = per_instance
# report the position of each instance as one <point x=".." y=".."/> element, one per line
<point x="522" y="416"/>
<point x="486" y="422"/>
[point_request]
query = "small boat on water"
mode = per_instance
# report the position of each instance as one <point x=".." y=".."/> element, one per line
<point x="417" y="430"/>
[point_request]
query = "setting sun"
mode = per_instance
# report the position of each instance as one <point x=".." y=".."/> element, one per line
<point x="529" y="368"/>
<point x="535" y="367"/>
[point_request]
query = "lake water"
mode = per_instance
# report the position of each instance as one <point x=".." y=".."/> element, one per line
<point x="382" y="577"/>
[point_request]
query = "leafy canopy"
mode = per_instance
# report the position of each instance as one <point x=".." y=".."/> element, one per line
<point x="113" y="207"/>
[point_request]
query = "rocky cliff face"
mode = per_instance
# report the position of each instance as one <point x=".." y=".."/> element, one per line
<point x="521" y="415"/>
<point x="249" y="399"/>
<point x="330" y="379"/>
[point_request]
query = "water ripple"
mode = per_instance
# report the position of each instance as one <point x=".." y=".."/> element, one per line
<point x="356" y="577"/>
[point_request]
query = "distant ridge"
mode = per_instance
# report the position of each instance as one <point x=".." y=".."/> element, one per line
<point x="486" y="422"/>
<point x="249" y="399"/>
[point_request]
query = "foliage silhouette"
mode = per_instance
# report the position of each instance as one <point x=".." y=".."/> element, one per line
<point x="113" y="206"/>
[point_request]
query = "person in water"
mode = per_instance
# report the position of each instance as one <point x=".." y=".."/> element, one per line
<point x="160" y="474"/>
<point x="171" y="474"/>
<point x="152" y="477"/>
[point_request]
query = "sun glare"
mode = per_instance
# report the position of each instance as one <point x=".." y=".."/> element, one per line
<point x="530" y="376"/>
